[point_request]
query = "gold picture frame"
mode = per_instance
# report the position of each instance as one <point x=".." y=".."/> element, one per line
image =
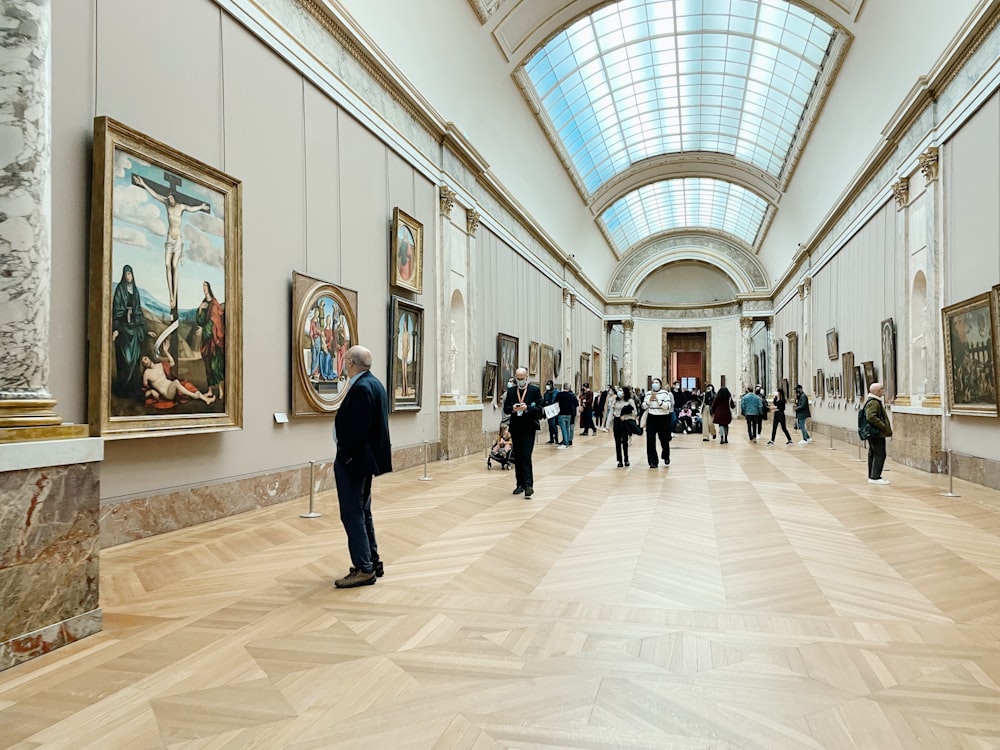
<point x="406" y="355"/>
<point x="165" y="316"/>
<point x="533" y="357"/>
<point x="406" y="252"/>
<point x="324" y="327"/>
<point x="970" y="358"/>
<point x="546" y="366"/>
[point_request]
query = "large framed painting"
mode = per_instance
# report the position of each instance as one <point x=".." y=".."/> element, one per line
<point x="779" y="361"/>
<point x="847" y="362"/>
<point x="889" y="360"/>
<point x="324" y="327"/>
<point x="860" y="389"/>
<point x="546" y="367"/>
<point x="597" y="371"/>
<point x="406" y="354"/>
<point x="969" y="356"/>
<point x="832" y="344"/>
<point x="584" y="369"/>
<point x="871" y="374"/>
<point x="406" y="258"/>
<point x="490" y="383"/>
<point x="533" y="361"/>
<point x="506" y="358"/>
<point x="793" y="358"/>
<point x="820" y="384"/>
<point x="166" y="314"/>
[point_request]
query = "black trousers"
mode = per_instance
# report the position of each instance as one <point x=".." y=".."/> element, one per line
<point x="779" y="420"/>
<point x="876" y="456"/>
<point x="658" y="426"/>
<point x="522" y="446"/>
<point x="621" y="440"/>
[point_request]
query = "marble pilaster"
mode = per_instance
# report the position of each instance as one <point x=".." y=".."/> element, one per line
<point x="25" y="220"/>
<point x="628" y="326"/>
<point x="772" y="358"/>
<point x="569" y="301"/>
<point x="805" y="294"/>
<point x="746" y="354"/>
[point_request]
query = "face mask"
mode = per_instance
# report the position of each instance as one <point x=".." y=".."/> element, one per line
<point x="656" y="386"/>
<point x="548" y="387"/>
<point x="621" y="394"/>
<point x="510" y="383"/>
<point x="522" y="383"/>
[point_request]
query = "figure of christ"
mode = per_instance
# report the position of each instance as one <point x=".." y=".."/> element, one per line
<point x="157" y="385"/>
<point x="405" y="344"/>
<point x="174" y="244"/>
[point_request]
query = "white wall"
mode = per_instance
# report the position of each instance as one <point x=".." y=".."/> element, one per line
<point x="725" y="347"/>
<point x="681" y="283"/>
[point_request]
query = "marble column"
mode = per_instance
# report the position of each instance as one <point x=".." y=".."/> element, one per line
<point x="628" y="326"/>
<point x="568" y="368"/>
<point x="446" y="201"/>
<point x="805" y="295"/>
<point x="607" y="377"/>
<point x="929" y="167"/>
<point x="25" y="213"/>
<point x="472" y="359"/>
<point x="746" y="354"/>
<point x="772" y="358"/>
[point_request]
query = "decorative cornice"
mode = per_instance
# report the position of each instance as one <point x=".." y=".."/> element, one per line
<point x="928" y="162"/>
<point x="901" y="192"/>
<point x="446" y="199"/>
<point x="472" y="217"/>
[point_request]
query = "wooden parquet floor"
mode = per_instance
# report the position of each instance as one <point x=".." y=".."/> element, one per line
<point x="746" y="597"/>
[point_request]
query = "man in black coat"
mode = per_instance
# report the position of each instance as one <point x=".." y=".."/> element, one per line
<point x="361" y="431"/>
<point x="524" y="405"/>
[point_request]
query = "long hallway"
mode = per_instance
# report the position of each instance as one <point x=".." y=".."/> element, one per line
<point x="746" y="597"/>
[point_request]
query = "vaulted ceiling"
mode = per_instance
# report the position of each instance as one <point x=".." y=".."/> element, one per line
<point x="675" y="118"/>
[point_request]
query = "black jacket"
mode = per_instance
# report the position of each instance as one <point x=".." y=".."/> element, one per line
<point x="362" y="425"/>
<point x="530" y="418"/>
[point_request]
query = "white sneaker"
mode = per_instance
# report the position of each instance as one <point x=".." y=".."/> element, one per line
<point x="878" y="481"/>
<point x="562" y="447"/>
<point x="803" y="442"/>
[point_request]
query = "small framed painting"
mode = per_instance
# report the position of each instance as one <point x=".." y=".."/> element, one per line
<point x="832" y="345"/>
<point x="533" y="362"/>
<point x="406" y="261"/>
<point x="406" y="354"/>
<point x="506" y="358"/>
<point x="490" y="383"/>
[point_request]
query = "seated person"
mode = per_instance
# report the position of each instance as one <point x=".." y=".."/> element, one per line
<point x="501" y="448"/>
<point x="685" y="421"/>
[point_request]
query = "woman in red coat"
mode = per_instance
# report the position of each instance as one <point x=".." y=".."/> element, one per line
<point x="722" y="413"/>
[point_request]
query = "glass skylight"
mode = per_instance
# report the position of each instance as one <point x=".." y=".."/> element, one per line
<point x="691" y="202"/>
<point x="639" y="78"/>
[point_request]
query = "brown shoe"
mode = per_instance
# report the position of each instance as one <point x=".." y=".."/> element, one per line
<point x="355" y="578"/>
<point x="379" y="569"/>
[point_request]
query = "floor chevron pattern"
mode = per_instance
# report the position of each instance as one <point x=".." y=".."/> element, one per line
<point x="748" y="597"/>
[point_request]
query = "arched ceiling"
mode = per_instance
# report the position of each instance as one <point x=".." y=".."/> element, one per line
<point x="675" y="116"/>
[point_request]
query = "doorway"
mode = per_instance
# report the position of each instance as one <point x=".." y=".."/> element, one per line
<point x="686" y="355"/>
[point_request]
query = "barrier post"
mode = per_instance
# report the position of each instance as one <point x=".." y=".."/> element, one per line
<point x="425" y="478"/>
<point x="312" y="493"/>
<point x="951" y="480"/>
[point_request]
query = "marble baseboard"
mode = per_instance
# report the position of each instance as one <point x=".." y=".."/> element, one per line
<point x="916" y="440"/>
<point x="983" y="471"/>
<point x="24" y="647"/>
<point x="461" y="433"/>
<point x="130" y="518"/>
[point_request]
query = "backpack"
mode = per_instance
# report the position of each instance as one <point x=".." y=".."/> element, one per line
<point x="864" y="428"/>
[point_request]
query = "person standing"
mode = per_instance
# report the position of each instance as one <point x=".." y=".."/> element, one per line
<point x="587" y="411"/>
<point x="659" y="405"/>
<point x="779" y="418"/>
<point x="722" y="413"/>
<point x="751" y="405"/>
<point x="707" y="423"/>
<point x="524" y="405"/>
<point x="361" y="431"/>
<point x="802" y="413"/>
<point x="549" y="398"/>
<point x="624" y="406"/>
<point x="878" y="420"/>
<point x="599" y="405"/>
<point x="568" y="404"/>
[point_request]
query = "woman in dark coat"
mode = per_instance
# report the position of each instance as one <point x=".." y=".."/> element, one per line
<point x="722" y="413"/>
<point x="128" y="332"/>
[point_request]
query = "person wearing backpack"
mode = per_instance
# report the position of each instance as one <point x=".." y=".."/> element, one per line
<point x="802" y="413"/>
<point x="878" y="430"/>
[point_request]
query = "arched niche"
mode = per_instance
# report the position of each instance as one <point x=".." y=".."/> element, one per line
<point x="455" y="366"/>
<point x="920" y="359"/>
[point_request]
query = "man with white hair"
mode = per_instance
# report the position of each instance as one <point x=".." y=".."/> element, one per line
<point x="878" y="421"/>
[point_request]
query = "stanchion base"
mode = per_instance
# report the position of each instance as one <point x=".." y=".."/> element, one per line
<point x="425" y="479"/>
<point x="310" y="514"/>
<point x="949" y="494"/>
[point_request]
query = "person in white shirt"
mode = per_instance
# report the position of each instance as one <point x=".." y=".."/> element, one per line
<point x="659" y="406"/>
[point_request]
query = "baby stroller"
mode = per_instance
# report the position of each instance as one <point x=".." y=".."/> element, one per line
<point x="502" y="450"/>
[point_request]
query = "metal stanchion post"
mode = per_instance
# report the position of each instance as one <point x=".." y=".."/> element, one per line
<point x="951" y="480"/>
<point x="312" y="493"/>
<point x="425" y="478"/>
<point x="831" y="439"/>
<point x="859" y="460"/>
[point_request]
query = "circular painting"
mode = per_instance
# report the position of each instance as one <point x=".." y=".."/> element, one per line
<point x="326" y="328"/>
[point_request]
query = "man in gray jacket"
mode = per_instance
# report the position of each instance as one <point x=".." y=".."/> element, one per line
<point x="878" y="421"/>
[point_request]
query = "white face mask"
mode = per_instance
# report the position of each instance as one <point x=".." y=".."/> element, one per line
<point x="522" y="383"/>
<point x="655" y="386"/>
<point x="510" y="383"/>
<point x="621" y="394"/>
<point x="548" y="387"/>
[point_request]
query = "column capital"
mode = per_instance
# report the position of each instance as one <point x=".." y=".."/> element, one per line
<point x="928" y="162"/>
<point x="628" y="325"/>
<point x="746" y="323"/>
<point x="901" y="192"/>
<point x="446" y="199"/>
<point x="472" y="217"/>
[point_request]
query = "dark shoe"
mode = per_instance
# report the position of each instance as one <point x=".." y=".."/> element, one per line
<point x="355" y="578"/>
<point x="652" y="466"/>
<point x="620" y="464"/>
<point x="529" y="491"/>
<point x="666" y="462"/>
<point x="517" y="490"/>
<point x="379" y="569"/>
<point x="705" y="440"/>
<point x="627" y="463"/>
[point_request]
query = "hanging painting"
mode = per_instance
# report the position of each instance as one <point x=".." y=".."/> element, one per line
<point x="533" y="363"/>
<point x="166" y="316"/>
<point x="888" y="360"/>
<point x="969" y="356"/>
<point x="546" y="369"/>
<point x="490" y="383"/>
<point x="506" y="358"/>
<point x="406" y="256"/>
<point x="406" y="354"/>
<point x="324" y="327"/>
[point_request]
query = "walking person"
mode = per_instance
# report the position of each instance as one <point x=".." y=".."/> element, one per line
<point x="524" y="405"/>
<point x="361" y="431"/>
<point x="778" y="420"/>
<point x="751" y="406"/>
<point x="599" y="406"/>
<point x="707" y="423"/>
<point x="568" y="405"/>
<point x="624" y="405"/>
<point x="878" y="422"/>
<point x="802" y="413"/>
<point x="549" y="398"/>
<point x="722" y="413"/>
<point x="587" y="426"/>
<point x="659" y="406"/>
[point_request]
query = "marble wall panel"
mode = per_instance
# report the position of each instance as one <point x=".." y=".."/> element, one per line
<point x="48" y="546"/>
<point x="461" y="433"/>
